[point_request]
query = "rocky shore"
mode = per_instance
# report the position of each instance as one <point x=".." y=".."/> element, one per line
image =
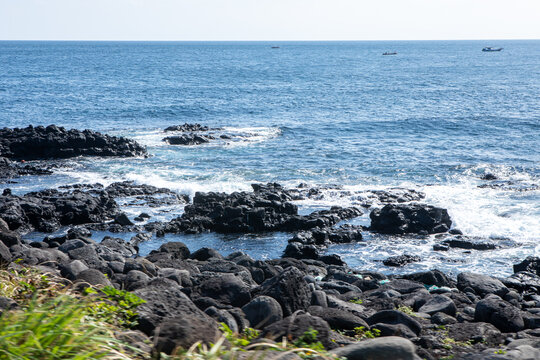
<point x="188" y="293"/>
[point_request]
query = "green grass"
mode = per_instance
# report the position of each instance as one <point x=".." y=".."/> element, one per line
<point x="53" y="323"/>
<point x="58" y="328"/>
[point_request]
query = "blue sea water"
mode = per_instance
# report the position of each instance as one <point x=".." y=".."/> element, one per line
<point x="435" y="118"/>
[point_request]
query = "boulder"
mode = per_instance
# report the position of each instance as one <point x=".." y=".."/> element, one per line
<point x="164" y="300"/>
<point x="290" y="289"/>
<point x="390" y="347"/>
<point x="410" y="218"/>
<point x="481" y="284"/>
<point x="262" y="311"/>
<point x="439" y="303"/>
<point x="295" y="326"/>
<point x="226" y="288"/>
<point x="185" y="329"/>
<point x="394" y="317"/>
<point x="337" y="318"/>
<point x="503" y="315"/>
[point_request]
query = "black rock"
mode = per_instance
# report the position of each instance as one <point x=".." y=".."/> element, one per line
<point x="530" y="264"/>
<point x="188" y="128"/>
<point x="401" y="260"/>
<point x="337" y="318"/>
<point x="410" y="218"/>
<point x="489" y="176"/>
<point x="481" y="284"/>
<point x="394" y="317"/>
<point x="263" y="311"/>
<point x="226" y="288"/>
<point x="503" y="315"/>
<point x="266" y="209"/>
<point x="294" y="327"/>
<point x="54" y="142"/>
<point x="188" y="139"/>
<point x="439" y="303"/>
<point x="290" y="289"/>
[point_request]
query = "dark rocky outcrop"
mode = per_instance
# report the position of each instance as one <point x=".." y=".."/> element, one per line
<point x="188" y="139"/>
<point x="266" y="209"/>
<point x="10" y="169"/>
<point x="410" y="218"/>
<point x="47" y="210"/>
<point x="52" y="142"/>
<point x="188" y="128"/>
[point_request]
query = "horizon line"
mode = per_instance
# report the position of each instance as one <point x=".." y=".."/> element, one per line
<point x="224" y="41"/>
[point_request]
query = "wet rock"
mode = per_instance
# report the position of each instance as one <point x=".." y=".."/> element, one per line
<point x="266" y="209"/>
<point x="432" y="277"/>
<point x="489" y="176"/>
<point x="54" y="142"/>
<point x="401" y="260"/>
<point x="503" y="315"/>
<point x="290" y="289"/>
<point x="530" y="264"/>
<point x="410" y="218"/>
<point x="469" y="244"/>
<point x="262" y="311"/>
<point x="188" y="139"/>
<point x="481" y="284"/>
<point x="10" y="170"/>
<point x="390" y="347"/>
<point x="188" y="128"/>
<point x="47" y="210"/>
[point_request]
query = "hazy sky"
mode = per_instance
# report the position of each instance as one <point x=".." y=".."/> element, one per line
<point x="269" y="19"/>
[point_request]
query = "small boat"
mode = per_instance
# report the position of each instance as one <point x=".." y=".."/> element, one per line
<point x="390" y="53"/>
<point x="491" y="49"/>
<point x="275" y="47"/>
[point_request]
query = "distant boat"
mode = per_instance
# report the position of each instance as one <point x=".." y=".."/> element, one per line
<point x="275" y="47"/>
<point x="491" y="49"/>
<point x="390" y="53"/>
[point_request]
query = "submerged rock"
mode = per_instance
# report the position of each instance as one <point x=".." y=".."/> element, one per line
<point x="53" y="142"/>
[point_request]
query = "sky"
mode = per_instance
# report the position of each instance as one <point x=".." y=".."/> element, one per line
<point x="272" y="20"/>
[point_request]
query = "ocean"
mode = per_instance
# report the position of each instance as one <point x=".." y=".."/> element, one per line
<point x="436" y="117"/>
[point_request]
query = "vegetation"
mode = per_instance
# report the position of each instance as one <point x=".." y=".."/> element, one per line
<point x="362" y="333"/>
<point x="356" y="301"/>
<point x="407" y="310"/>
<point x="306" y="346"/>
<point x="51" y="322"/>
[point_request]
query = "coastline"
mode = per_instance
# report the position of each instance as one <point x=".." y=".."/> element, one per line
<point x="190" y="292"/>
